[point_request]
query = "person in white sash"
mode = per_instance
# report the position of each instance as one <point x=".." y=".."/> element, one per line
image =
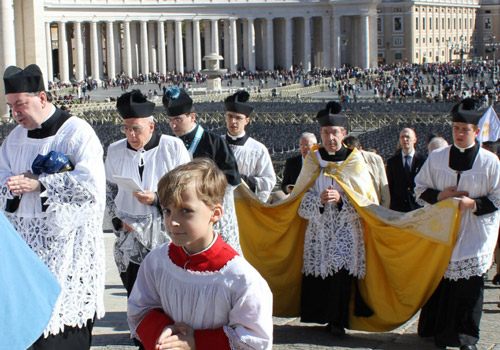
<point x="202" y="143"/>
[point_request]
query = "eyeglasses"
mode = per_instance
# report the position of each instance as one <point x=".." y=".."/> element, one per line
<point x="135" y="128"/>
<point x="237" y="117"/>
<point x="176" y="120"/>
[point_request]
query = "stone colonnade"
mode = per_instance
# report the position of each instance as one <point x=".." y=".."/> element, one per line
<point x="101" y="49"/>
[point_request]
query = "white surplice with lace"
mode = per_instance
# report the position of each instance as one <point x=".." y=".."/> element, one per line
<point x="68" y="235"/>
<point x="334" y="238"/>
<point x="477" y="235"/>
<point x="146" y="220"/>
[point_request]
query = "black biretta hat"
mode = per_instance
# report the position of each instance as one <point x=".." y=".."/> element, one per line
<point x="464" y="112"/>
<point x="237" y="103"/>
<point x="29" y="79"/>
<point x="177" y="101"/>
<point x="330" y="116"/>
<point x="134" y="104"/>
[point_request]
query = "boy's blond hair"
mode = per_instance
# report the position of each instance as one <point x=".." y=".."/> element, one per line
<point x="208" y="181"/>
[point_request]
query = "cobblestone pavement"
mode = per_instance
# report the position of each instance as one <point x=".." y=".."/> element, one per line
<point x="111" y="332"/>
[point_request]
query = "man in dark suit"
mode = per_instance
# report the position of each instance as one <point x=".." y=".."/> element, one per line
<point x="401" y="171"/>
<point x="294" y="165"/>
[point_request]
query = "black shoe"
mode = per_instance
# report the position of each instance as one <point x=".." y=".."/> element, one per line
<point x="468" y="347"/>
<point x="496" y="279"/>
<point x="335" y="330"/>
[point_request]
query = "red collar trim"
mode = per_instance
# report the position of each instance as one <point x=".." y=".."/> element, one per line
<point x="211" y="260"/>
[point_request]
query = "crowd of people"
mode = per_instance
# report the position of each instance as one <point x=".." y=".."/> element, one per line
<point x="181" y="208"/>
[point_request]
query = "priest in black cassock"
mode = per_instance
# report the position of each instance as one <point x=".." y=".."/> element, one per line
<point x="472" y="174"/>
<point x="202" y="143"/>
<point x="334" y="251"/>
<point x="58" y="214"/>
<point x="144" y="155"/>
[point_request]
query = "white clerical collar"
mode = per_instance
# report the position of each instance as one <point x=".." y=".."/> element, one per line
<point x="462" y="150"/>
<point x="236" y="137"/>
<point x="52" y="112"/>
<point x="204" y="250"/>
<point x="411" y="154"/>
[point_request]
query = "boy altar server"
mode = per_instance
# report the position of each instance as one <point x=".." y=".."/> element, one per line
<point x="197" y="292"/>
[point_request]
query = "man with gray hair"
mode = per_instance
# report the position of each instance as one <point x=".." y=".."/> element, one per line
<point x="436" y="143"/>
<point x="144" y="156"/>
<point x="294" y="165"/>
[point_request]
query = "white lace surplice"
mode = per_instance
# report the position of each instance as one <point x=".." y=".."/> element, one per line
<point x="68" y="235"/>
<point x="147" y="221"/>
<point x="227" y="226"/>
<point x="477" y="235"/>
<point x="206" y="300"/>
<point x="255" y="162"/>
<point x="333" y="239"/>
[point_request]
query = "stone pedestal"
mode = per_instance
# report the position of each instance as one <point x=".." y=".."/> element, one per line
<point x="214" y="84"/>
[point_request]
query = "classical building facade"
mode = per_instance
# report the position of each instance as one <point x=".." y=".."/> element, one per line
<point x="423" y="31"/>
<point x="100" y="38"/>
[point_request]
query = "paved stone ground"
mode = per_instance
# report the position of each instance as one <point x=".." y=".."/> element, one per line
<point x="111" y="332"/>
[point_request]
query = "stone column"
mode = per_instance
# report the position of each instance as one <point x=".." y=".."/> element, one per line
<point x="127" y="49"/>
<point x="161" y="48"/>
<point x="336" y="42"/>
<point x="373" y="41"/>
<point x="306" y="63"/>
<point x="79" y="53"/>
<point x="227" y="43"/>
<point x="179" y="55"/>
<point x="288" y="44"/>
<point x="208" y="37"/>
<point x="233" y="45"/>
<point x="189" y="45"/>
<point x="63" y="53"/>
<point x="94" y="51"/>
<point x="118" y="47"/>
<point x="170" y="46"/>
<point x="364" y="40"/>
<point x="144" y="48"/>
<point x="110" y="50"/>
<point x="136" y="49"/>
<point x="152" y="47"/>
<point x="196" y="46"/>
<point x="269" y="44"/>
<point x="48" y="45"/>
<point x="251" y="44"/>
<point x="214" y="36"/>
<point x="325" y="43"/>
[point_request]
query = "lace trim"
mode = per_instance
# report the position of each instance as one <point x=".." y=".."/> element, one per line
<point x="334" y="239"/>
<point x="149" y="229"/>
<point x="235" y="342"/>
<point x="74" y="253"/>
<point x="464" y="269"/>
<point x="495" y="200"/>
<point x="68" y="201"/>
<point x="227" y="226"/>
<point x="111" y="193"/>
<point x="417" y="192"/>
<point x="128" y="249"/>
<point x="133" y="246"/>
